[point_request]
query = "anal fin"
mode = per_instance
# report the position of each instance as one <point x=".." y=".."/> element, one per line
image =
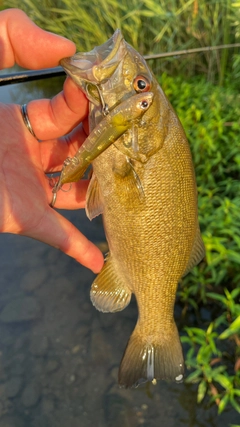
<point x="108" y="292"/>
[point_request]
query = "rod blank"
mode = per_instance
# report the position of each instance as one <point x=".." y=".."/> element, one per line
<point x="30" y="75"/>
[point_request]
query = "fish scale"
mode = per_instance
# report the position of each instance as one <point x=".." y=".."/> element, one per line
<point x="139" y="265"/>
<point x="144" y="186"/>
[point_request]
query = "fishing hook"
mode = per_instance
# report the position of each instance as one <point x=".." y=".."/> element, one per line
<point x="105" y="108"/>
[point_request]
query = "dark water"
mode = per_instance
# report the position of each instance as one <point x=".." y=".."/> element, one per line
<point x="59" y="357"/>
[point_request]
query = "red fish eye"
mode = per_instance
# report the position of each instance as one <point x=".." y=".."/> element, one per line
<point x="144" y="105"/>
<point x="141" y="84"/>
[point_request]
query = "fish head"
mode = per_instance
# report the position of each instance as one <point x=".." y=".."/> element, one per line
<point x="109" y="73"/>
<point x="91" y="70"/>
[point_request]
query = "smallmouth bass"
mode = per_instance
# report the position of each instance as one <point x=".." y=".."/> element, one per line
<point x="143" y="184"/>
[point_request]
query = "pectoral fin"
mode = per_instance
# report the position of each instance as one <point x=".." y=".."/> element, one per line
<point x="94" y="204"/>
<point x="125" y="173"/>
<point x="108" y="292"/>
<point x="198" y="252"/>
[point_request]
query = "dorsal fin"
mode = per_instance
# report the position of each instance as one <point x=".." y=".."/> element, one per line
<point x="197" y="254"/>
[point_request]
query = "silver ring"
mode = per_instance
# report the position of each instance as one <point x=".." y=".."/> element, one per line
<point x="26" y="119"/>
<point x="54" y="198"/>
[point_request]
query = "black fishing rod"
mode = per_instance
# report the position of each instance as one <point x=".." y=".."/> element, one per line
<point x="30" y="75"/>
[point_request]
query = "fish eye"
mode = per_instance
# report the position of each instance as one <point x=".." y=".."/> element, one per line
<point x="144" y="104"/>
<point x="141" y="84"/>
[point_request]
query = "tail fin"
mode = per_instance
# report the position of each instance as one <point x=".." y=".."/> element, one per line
<point x="147" y="361"/>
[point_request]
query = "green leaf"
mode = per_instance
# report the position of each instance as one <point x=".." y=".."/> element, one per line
<point x="223" y="380"/>
<point x="236" y="291"/>
<point x="223" y="403"/>
<point x="213" y="346"/>
<point x="210" y="328"/>
<point x="193" y="303"/>
<point x="221" y="319"/>
<point x="234" y="328"/>
<point x="217" y="297"/>
<point x="196" y="331"/>
<point x="185" y="339"/>
<point x="202" y="389"/>
<point x="237" y="392"/>
<point x="234" y="403"/>
<point x="194" y="376"/>
<point x="234" y="256"/>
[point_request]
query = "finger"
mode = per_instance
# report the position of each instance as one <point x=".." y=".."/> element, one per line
<point x="57" y="231"/>
<point x="25" y="43"/>
<point x="55" y="151"/>
<point x="58" y="116"/>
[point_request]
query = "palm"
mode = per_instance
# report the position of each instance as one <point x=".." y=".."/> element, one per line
<point x="25" y="192"/>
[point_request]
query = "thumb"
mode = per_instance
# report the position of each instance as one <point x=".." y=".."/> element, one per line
<point x="57" y="231"/>
<point x="24" y="42"/>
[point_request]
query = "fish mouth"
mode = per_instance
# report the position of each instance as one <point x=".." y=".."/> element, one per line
<point x="98" y="65"/>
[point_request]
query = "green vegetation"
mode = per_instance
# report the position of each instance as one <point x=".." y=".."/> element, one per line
<point x="211" y="117"/>
<point x="150" y="26"/>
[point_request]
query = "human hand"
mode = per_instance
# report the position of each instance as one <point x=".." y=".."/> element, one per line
<point x="25" y="193"/>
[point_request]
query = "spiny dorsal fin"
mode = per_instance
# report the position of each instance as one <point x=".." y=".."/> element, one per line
<point x="108" y="292"/>
<point x="198" y="253"/>
<point x="94" y="205"/>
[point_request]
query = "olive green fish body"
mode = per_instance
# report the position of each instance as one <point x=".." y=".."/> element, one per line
<point x="151" y="233"/>
<point x="144" y="185"/>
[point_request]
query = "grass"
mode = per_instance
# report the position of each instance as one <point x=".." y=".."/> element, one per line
<point x="210" y="115"/>
<point x="150" y="26"/>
